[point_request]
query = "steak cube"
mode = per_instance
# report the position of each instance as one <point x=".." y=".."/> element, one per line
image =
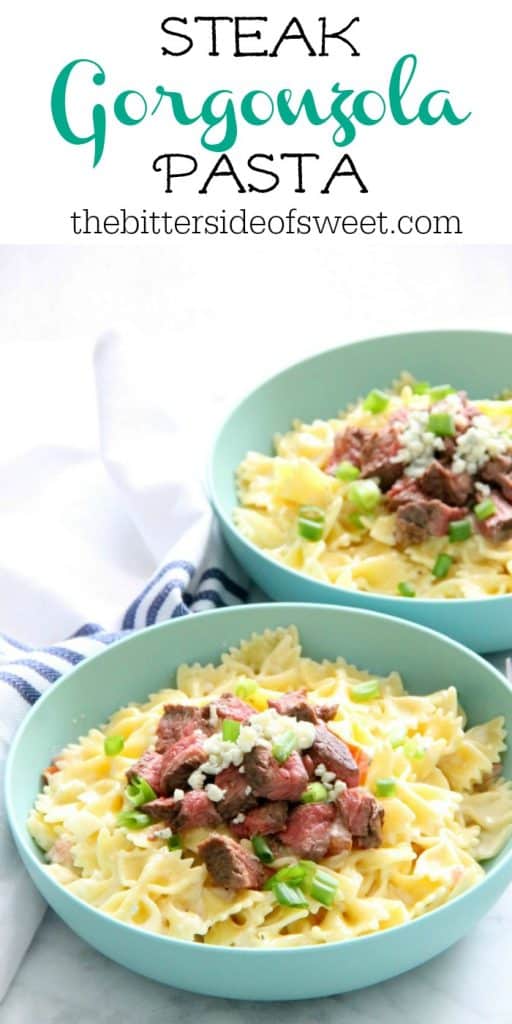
<point x="194" y="810"/>
<point x="230" y="865"/>
<point x="296" y="705"/>
<point x="332" y="752"/>
<point x="180" y="760"/>
<point x="362" y="816"/>
<point x="230" y="706"/>
<point x="308" y="832"/>
<point x="264" y="820"/>
<point x="440" y="482"/>
<point x="416" y="521"/>
<point x="497" y="527"/>
<point x="179" y="719"/>
<point x="149" y="768"/>
<point x="236" y="799"/>
<point x="272" y="780"/>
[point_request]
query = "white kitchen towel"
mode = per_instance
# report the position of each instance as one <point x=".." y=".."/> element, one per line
<point x="150" y="456"/>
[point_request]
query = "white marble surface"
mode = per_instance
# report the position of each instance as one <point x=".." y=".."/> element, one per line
<point x="170" y="300"/>
<point x="64" y="980"/>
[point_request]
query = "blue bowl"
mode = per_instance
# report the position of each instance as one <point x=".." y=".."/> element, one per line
<point x="478" y="361"/>
<point x="141" y="664"/>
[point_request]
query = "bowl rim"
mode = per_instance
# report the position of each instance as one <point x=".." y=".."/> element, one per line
<point x="496" y="871"/>
<point x="424" y="603"/>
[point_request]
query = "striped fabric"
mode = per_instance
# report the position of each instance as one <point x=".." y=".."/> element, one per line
<point x="172" y="591"/>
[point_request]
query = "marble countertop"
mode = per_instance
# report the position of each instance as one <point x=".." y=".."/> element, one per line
<point x="62" y="980"/>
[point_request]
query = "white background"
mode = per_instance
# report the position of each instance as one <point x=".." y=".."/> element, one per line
<point x="462" y="45"/>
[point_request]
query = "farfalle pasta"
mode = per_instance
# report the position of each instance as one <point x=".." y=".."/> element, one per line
<point x="407" y="493"/>
<point x="437" y="803"/>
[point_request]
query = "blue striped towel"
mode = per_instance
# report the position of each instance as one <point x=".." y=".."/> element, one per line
<point x="177" y="588"/>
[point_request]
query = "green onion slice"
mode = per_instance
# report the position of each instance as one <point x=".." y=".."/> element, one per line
<point x="284" y="746"/>
<point x="461" y="529"/>
<point x="310" y="522"/>
<point x="365" y="495"/>
<point x="421" y="387"/>
<point x="442" y="424"/>
<point x="377" y="401"/>
<point x="133" y="819"/>
<point x="230" y="730"/>
<point x="174" y="843"/>
<point x="322" y="891"/>
<point x="385" y="787"/>
<point x="113" y="745"/>
<point x="314" y="793"/>
<point x="406" y="590"/>
<point x="442" y="565"/>
<point x="246" y="689"/>
<point x="289" y="896"/>
<point x="292" y="874"/>
<point x="139" y="791"/>
<point x="262" y="849"/>
<point x="440" y="391"/>
<point x="347" y="471"/>
<point x="365" y="691"/>
<point x="485" y="509"/>
<point x="413" y="751"/>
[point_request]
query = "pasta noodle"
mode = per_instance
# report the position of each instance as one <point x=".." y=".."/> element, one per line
<point x="358" y="550"/>
<point x="448" y="810"/>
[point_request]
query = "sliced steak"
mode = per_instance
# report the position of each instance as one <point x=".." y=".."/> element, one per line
<point x="179" y="719"/>
<point x="499" y="471"/>
<point x="404" y="490"/>
<point x="180" y="760"/>
<point x="194" y="810"/>
<point x="332" y="752"/>
<point x="327" y="710"/>
<point x="497" y="527"/>
<point x="148" y="767"/>
<point x="230" y="706"/>
<point x="265" y="820"/>
<point x="426" y="517"/>
<point x="236" y="798"/>
<point x="440" y="482"/>
<point x="374" y="452"/>
<point x="296" y="705"/>
<point x="230" y="865"/>
<point x="362" y="816"/>
<point x="308" y="832"/>
<point x="272" y="780"/>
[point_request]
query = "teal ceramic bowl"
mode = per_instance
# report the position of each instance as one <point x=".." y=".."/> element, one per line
<point x="479" y="362"/>
<point x="143" y="663"/>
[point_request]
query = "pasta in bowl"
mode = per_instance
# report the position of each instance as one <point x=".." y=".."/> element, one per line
<point x="275" y="801"/>
<point x="406" y="493"/>
<point x="375" y="832"/>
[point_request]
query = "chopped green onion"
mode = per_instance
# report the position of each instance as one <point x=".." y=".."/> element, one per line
<point x="365" y="495"/>
<point x="442" y="565"/>
<point x="289" y="896"/>
<point x="347" y="471"/>
<point x="113" y="745"/>
<point x="356" y="521"/>
<point x="246" y="689"/>
<point x="406" y="590"/>
<point x="461" y="529"/>
<point x="376" y="401"/>
<point x="484" y="509"/>
<point x="365" y="691"/>
<point x="292" y="874"/>
<point x="134" y="819"/>
<point x="442" y="424"/>
<point x="315" y="793"/>
<point x="385" y="787"/>
<point x="139" y="791"/>
<point x="284" y="746"/>
<point x="262" y="849"/>
<point x="421" y="387"/>
<point x="413" y="751"/>
<point x="174" y="843"/>
<point x="230" y="730"/>
<point x="323" y="889"/>
<point x="397" y="738"/>
<point x="311" y="522"/>
<point x="440" y="391"/>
